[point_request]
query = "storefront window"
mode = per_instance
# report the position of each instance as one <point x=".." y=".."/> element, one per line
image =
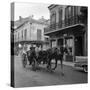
<point x="53" y="43"/>
<point x="69" y="42"/>
<point x="69" y="45"/>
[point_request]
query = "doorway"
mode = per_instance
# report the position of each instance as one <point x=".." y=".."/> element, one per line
<point x="78" y="46"/>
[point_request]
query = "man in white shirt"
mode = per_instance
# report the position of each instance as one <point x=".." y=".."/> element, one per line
<point x="37" y="50"/>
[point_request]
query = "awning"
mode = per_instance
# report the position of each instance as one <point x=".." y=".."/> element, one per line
<point x="72" y="28"/>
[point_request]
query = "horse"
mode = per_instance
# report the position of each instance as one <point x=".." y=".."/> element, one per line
<point x="47" y="57"/>
<point x="55" y="54"/>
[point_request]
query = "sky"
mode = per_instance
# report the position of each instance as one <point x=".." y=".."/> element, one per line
<point x="27" y="9"/>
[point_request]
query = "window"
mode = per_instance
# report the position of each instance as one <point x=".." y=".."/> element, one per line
<point x="69" y="43"/>
<point x="18" y="36"/>
<point x="54" y="44"/>
<point x="25" y="34"/>
<point x="39" y="36"/>
<point x="66" y="13"/>
<point x="72" y="10"/>
<point x="60" y="17"/>
<point x="53" y="18"/>
<point x="22" y="34"/>
<point x="75" y="10"/>
<point x="69" y="11"/>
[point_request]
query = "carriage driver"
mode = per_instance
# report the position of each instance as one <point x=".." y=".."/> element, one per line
<point x="24" y="50"/>
<point x="37" y="50"/>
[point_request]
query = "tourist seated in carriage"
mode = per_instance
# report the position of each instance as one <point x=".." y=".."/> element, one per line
<point x="31" y="54"/>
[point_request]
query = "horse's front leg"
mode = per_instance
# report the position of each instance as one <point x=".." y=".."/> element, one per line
<point x="56" y="63"/>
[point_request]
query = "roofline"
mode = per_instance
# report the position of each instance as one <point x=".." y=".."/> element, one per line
<point x="21" y="25"/>
<point x="27" y="22"/>
<point x="52" y="6"/>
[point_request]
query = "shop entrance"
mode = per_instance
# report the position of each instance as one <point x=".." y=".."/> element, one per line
<point x="79" y="46"/>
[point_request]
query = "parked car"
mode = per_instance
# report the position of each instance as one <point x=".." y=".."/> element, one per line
<point x="81" y="62"/>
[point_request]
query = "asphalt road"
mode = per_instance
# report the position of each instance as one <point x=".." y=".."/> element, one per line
<point x="26" y="77"/>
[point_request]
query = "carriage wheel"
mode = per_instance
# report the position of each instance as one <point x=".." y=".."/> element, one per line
<point x="53" y="64"/>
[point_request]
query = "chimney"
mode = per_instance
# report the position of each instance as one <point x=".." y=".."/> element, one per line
<point x="31" y="16"/>
<point x="20" y="18"/>
<point x="42" y="17"/>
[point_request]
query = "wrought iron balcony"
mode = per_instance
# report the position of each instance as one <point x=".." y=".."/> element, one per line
<point x="64" y="23"/>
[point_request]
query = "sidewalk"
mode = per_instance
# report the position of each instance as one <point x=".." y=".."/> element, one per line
<point x="68" y="63"/>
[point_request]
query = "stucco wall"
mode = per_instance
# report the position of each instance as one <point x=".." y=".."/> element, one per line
<point x="31" y="31"/>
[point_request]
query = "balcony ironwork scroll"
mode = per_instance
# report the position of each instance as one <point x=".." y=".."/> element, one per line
<point x="64" y="23"/>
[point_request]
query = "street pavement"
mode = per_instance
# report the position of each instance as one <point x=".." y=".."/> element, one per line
<point x="26" y="77"/>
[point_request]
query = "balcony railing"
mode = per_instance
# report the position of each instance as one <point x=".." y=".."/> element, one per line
<point x="63" y="24"/>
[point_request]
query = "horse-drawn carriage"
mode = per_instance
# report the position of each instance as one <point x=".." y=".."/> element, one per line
<point x="47" y="57"/>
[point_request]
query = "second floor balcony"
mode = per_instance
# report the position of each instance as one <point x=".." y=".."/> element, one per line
<point x="67" y="23"/>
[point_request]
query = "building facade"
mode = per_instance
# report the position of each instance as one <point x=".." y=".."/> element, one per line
<point x="28" y="30"/>
<point x="68" y="28"/>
